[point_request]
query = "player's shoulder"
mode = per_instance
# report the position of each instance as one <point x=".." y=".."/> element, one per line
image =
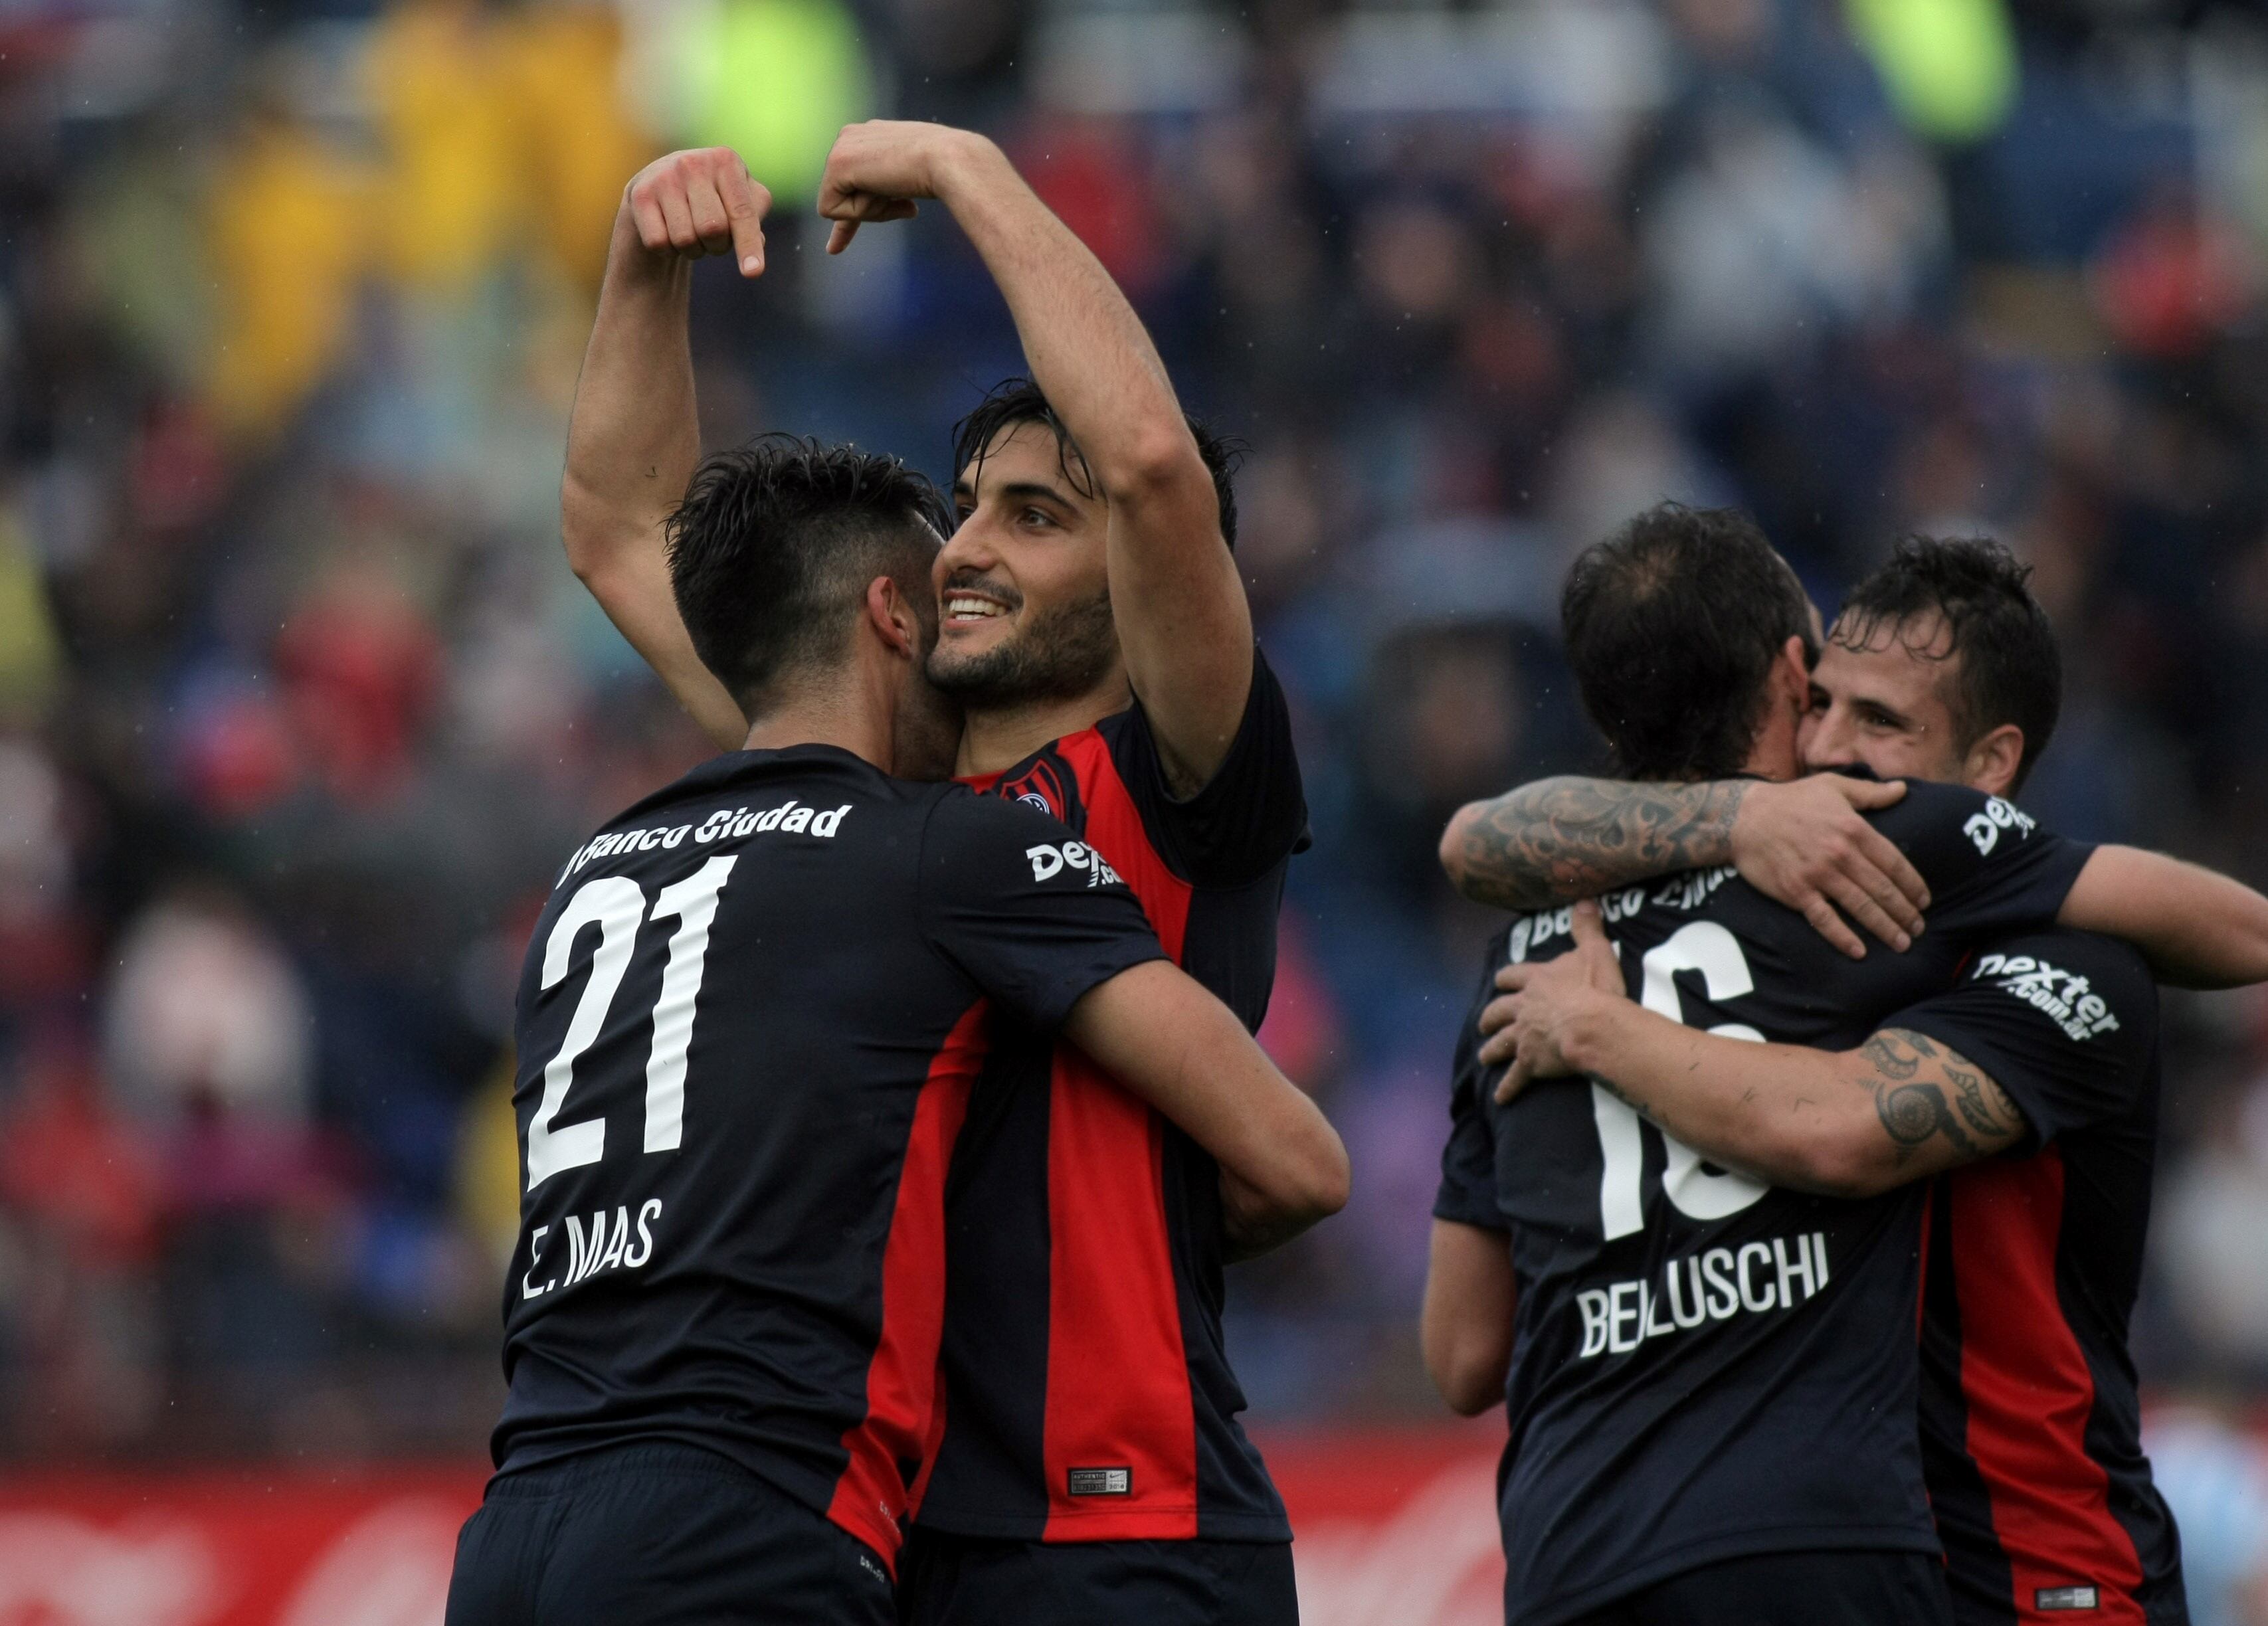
<point x="964" y="822"/>
<point x="1950" y="831"/>
<point x="2087" y="984"/>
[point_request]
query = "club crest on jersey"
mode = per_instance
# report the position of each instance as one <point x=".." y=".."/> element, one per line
<point x="1048" y="860"/>
<point x="1032" y="799"/>
<point x="2063" y="999"/>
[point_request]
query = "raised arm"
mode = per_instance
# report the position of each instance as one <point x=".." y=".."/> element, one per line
<point x="1167" y="1040"/>
<point x="1842" y="1124"/>
<point x="2198" y="928"/>
<point x="1802" y="843"/>
<point x="635" y="438"/>
<point x="1183" y="620"/>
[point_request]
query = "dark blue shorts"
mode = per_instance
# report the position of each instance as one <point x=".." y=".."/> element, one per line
<point x="953" y="1580"/>
<point x="657" y="1535"/>
<point x="1792" y="1589"/>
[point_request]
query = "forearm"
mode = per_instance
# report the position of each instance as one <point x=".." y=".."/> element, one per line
<point x="632" y="445"/>
<point x="1570" y="838"/>
<point x="1087" y="349"/>
<point x="1175" y="1047"/>
<point x="635" y="435"/>
<point x="2197" y="928"/>
<point x="1840" y="1124"/>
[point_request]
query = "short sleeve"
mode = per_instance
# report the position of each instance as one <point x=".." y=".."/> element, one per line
<point x="1990" y="868"/>
<point x="1032" y="916"/>
<point x="1251" y="815"/>
<point x="2066" y="1022"/>
<point x="1467" y="1191"/>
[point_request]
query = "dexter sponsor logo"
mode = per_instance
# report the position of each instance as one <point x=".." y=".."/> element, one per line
<point x="1985" y="829"/>
<point x="1076" y="856"/>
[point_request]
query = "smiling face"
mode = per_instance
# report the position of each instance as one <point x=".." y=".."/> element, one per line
<point x="1024" y="601"/>
<point x="1884" y="704"/>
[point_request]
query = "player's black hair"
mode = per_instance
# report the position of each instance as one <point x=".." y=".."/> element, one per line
<point x="2011" y="666"/>
<point x="1672" y="625"/>
<point x="1018" y="400"/>
<point x="771" y="552"/>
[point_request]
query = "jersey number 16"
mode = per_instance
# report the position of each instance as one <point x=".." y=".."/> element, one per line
<point x="1708" y="948"/>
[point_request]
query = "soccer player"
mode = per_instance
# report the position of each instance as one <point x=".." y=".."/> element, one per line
<point x="749" y="1028"/>
<point x="1090" y="1465"/>
<point x="1942" y="666"/>
<point x="1708" y="1419"/>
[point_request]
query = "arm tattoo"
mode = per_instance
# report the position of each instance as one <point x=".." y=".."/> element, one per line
<point x="1558" y="839"/>
<point x="1923" y="1090"/>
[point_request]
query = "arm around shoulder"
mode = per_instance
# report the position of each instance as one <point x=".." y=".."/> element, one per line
<point x="2197" y="928"/>
<point x="1171" y="1043"/>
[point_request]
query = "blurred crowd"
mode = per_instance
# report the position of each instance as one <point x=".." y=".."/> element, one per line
<point x="299" y="705"/>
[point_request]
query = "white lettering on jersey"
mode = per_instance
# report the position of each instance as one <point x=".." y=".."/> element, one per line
<point x="1985" y="829"/>
<point x="790" y="818"/>
<point x="2066" y="1000"/>
<point x="1048" y="860"/>
<point x="1700" y="1287"/>
<point x="606" y="1246"/>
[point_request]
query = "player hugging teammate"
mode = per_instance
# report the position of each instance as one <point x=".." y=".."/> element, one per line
<point x="889" y="1106"/>
<point x="1696" y="1198"/>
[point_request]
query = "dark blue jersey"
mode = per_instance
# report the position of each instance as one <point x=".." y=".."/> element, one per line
<point x="1705" y="1367"/>
<point x="2031" y="1424"/>
<point x="750" y="1020"/>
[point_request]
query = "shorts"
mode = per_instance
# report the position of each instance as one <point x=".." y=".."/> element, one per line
<point x="657" y="1535"/>
<point x="1850" y="1588"/>
<point x="958" y="1580"/>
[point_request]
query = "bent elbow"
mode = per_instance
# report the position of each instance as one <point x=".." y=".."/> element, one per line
<point x="1468" y="1382"/>
<point x="1330" y="1179"/>
<point x="1452" y="851"/>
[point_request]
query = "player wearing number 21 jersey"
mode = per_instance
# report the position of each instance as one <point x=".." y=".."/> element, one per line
<point x="1700" y="1370"/>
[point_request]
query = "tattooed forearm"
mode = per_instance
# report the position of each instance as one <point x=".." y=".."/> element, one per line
<point x="1561" y="839"/>
<point x="1924" y="1093"/>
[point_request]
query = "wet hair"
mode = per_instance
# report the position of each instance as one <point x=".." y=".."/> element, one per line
<point x="2010" y="668"/>
<point x="1018" y="400"/>
<point x="1672" y="625"/>
<point x="772" y="549"/>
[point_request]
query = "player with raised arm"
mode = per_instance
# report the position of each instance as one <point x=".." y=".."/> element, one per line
<point x="1095" y="631"/>
<point x="1707" y="1420"/>
<point x="1942" y="666"/>
<point x="752" y="1016"/>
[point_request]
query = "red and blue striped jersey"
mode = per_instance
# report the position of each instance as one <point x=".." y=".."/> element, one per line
<point x="2030" y="1421"/>
<point x="1087" y="1393"/>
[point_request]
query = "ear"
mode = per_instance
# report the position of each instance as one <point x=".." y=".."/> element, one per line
<point x="1792" y="672"/>
<point x="1991" y="764"/>
<point x="892" y="617"/>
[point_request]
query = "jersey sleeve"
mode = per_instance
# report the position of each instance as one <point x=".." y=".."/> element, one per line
<point x="1251" y="816"/>
<point x="1467" y="1191"/>
<point x="1032" y="916"/>
<point x="2066" y="1022"/>
<point x="1990" y="868"/>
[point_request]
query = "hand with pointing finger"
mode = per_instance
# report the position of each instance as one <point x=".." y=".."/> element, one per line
<point x="699" y="202"/>
<point x="877" y="170"/>
<point x="1532" y="1023"/>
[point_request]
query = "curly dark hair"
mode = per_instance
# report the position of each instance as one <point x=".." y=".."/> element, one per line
<point x="1018" y="400"/>
<point x="2010" y="667"/>
<point x="772" y="549"/>
<point x="1672" y="625"/>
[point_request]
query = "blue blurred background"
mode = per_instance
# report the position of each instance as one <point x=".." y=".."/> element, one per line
<point x="299" y="705"/>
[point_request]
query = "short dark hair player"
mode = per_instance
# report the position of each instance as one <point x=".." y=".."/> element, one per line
<point x="748" y="1027"/>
